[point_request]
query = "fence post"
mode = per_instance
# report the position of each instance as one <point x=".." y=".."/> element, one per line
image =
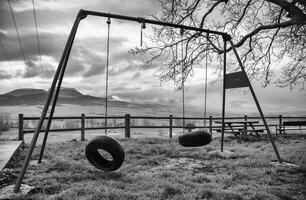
<point x="82" y="127"/>
<point x="20" y="127"/>
<point x="245" y="125"/>
<point x="170" y="126"/>
<point x="127" y="125"/>
<point x="210" y="124"/>
<point x="280" y="124"/>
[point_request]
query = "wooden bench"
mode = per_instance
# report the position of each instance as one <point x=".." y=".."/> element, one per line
<point x="285" y="124"/>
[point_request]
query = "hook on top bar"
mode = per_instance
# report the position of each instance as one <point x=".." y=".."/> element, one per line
<point x="108" y="19"/>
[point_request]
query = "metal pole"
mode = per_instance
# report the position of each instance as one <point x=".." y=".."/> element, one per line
<point x="56" y="96"/>
<point x="46" y="106"/>
<point x="148" y="21"/>
<point x="223" y="98"/>
<point x="257" y="104"/>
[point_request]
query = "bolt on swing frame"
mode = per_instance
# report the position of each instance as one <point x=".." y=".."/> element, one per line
<point x="59" y="75"/>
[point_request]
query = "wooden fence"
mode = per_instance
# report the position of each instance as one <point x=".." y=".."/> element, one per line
<point x="127" y="126"/>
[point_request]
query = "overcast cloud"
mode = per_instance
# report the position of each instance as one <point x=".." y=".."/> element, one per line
<point x="129" y="78"/>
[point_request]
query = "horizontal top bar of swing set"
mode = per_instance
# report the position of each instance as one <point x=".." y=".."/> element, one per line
<point x="149" y="21"/>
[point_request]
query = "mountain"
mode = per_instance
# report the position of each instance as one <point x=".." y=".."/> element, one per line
<point x="25" y="91"/>
<point x="29" y="96"/>
<point x="37" y="97"/>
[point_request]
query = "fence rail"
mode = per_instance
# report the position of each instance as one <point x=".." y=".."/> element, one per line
<point x="128" y="126"/>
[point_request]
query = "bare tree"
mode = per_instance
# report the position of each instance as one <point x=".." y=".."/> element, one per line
<point x="270" y="36"/>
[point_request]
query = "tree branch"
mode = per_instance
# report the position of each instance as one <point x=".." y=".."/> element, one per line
<point x="266" y="27"/>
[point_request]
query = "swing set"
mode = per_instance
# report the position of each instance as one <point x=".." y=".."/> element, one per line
<point x="231" y="80"/>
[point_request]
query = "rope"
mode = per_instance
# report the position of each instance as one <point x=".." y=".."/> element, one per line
<point x="38" y="43"/>
<point x="22" y="51"/>
<point x="107" y="63"/>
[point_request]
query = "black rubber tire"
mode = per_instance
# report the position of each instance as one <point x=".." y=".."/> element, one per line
<point x="195" y="139"/>
<point x="109" y="145"/>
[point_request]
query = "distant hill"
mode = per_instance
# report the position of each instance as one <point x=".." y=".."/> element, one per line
<point x="29" y="96"/>
<point x="25" y="91"/>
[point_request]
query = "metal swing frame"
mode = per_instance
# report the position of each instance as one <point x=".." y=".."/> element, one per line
<point x="59" y="75"/>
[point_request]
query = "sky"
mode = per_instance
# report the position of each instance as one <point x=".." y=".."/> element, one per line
<point x="130" y="78"/>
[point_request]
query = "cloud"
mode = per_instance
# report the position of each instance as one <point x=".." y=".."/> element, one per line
<point x="53" y="13"/>
<point x="89" y="52"/>
<point x="32" y="70"/>
<point x="36" y="70"/>
<point x="50" y="44"/>
<point x="94" y="70"/>
<point x="88" y="55"/>
<point x="4" y="75"/>
<point x="136" y="75"/>
<point x="48" y="70"/>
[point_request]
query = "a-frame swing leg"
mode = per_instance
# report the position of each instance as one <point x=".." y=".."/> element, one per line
<point x="257" y="103"/>
<point x="47" y="103"/>
<point x="55" y="98"/>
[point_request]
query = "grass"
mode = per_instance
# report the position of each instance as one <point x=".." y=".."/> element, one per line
<point x="157" y="168"/>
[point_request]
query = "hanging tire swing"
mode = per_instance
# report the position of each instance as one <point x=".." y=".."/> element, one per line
<point x="197" y="138"/>
<point x="105" y="143"/>
<point x="109" y="145"/>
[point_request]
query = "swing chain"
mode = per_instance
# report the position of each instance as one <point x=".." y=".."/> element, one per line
<point x="143" y="26"/>
<point x="106" y="80"/>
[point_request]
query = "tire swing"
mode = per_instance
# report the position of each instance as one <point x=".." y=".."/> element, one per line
<point x="195" y="138"/>
<point x="109" y="145"/>
<point x="105" y="143"/>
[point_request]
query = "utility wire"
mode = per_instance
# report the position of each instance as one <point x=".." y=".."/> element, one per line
<point x="38" y="43"/>
<point x="22" y="51"/>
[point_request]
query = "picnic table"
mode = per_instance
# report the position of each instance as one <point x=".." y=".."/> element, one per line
<point x="240" y="127"/>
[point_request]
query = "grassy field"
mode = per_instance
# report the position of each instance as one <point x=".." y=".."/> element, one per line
<point x="156" y="168"/>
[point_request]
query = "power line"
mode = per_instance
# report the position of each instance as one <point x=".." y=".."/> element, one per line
<point x="8" y="60"/>
<point x="37" y="37"/>
<point x="22" y="51"/>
